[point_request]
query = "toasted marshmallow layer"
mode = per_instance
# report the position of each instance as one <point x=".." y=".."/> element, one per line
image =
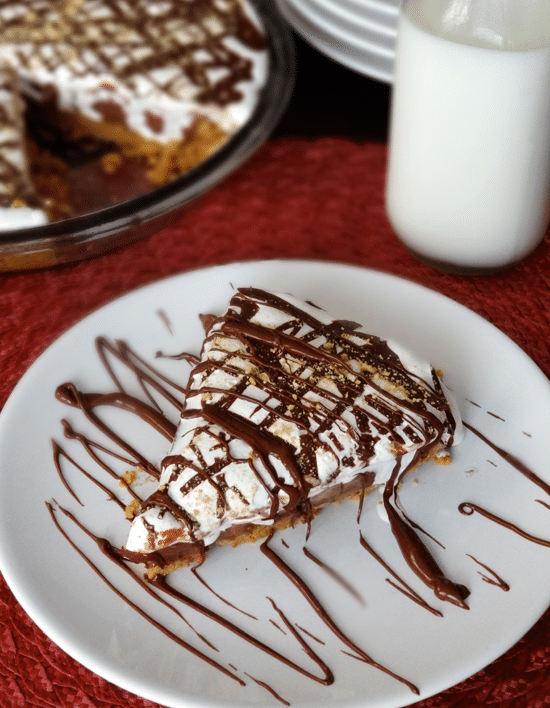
<point x="286" y="403"/>
<point x="159" y="64"/>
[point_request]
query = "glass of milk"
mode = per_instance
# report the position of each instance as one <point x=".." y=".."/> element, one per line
<point x="468" y="182"/>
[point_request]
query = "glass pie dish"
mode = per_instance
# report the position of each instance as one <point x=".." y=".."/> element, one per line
<point x="113" y="227"/>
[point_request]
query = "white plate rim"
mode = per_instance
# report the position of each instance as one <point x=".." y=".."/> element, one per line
<point x="374" y="61"/>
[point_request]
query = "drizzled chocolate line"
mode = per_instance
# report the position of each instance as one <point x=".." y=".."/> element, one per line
<point x="146" y="375"/>
<point x="375" y="353"/>
<point x="309" y="634"/>
<point x="415" y="552"/>
<point x="405" y="589"/>
<point x="416" y="526"/>
<point x="161" y="583"/>
<point x="91" y="445"/>
<point x="277" y="626"/>
<point x="117" y="557"/>
<point x="110" y="552"/>
<point x="325" y="617"/>
<point x="511" y="460"/>
<point x="264" y="444"/>
<point x="58" y="453"/>
<point x="87" y="402"/>
<point x="182" y="356"/>
<point x="268" y="688"/>
<point x="165" y="320"/>
<point x="467" y="508"/>
<point x="220" y="597"/>
<point x="318" y="411"/>
<point x="335" y="575"/>
<point x="493" y="578"/>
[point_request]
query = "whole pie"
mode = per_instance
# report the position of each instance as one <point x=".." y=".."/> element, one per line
<point x="125" y="94"/>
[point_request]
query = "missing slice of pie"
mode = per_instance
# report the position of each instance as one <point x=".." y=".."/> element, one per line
<point x="287" y="410"/>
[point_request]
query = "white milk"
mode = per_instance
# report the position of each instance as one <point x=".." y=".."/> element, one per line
<point x="469" y="169"/>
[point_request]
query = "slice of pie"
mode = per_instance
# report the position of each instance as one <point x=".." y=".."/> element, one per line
<point x="287" y="411"/>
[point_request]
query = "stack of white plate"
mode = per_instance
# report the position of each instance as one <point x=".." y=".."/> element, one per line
<point x="359" y="34"/>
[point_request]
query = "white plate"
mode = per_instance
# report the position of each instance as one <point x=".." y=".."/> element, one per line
<point x="511" y="406"/>
<point x="370" y="58"/>
<point x="362" y="38"/>
<point x="346" y="27"/>
<point x="370" y="7"/>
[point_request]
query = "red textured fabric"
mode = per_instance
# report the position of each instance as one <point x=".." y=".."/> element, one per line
<point x="295" y="198"/>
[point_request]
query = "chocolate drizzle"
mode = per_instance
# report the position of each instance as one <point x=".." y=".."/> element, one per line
<point x="154" y="384"/>
<point x="138" y="41"/>
<point x="268" y="688"/>
<point x="511" y="460"/>
<point x="403" y="587"/>
<point x="160" y="582"/>
<point x="87" y="402"/>
<point x="150" y="413"/>
<point x="467" y="508"/>
<point x="335" y="575"/>
<point x="293" y="393"/>
<point x="492" y="578"/>
<point x="358" y="653"/>
<point x="417" y="555"/>
<point x="112" y="554"/>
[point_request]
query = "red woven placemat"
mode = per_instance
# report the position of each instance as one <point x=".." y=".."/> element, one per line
<point x="299" y="199"/>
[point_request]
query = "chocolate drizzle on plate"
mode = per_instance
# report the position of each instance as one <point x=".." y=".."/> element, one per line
<point x="492" y="578"/>
<point x="335" y="575"/>
<point x="153" y="385"/>
<point x="150" y="412"/>
<point x="403" y="587"/>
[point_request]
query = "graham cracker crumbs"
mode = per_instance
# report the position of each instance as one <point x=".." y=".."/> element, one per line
<point x="443" y="459"/>
<point x="164" y="160"/>
<point x="176" y="565"/>
<point x="132" y="509"/>
<point x="111" y="162"/>
<point x="128" y="478"/>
